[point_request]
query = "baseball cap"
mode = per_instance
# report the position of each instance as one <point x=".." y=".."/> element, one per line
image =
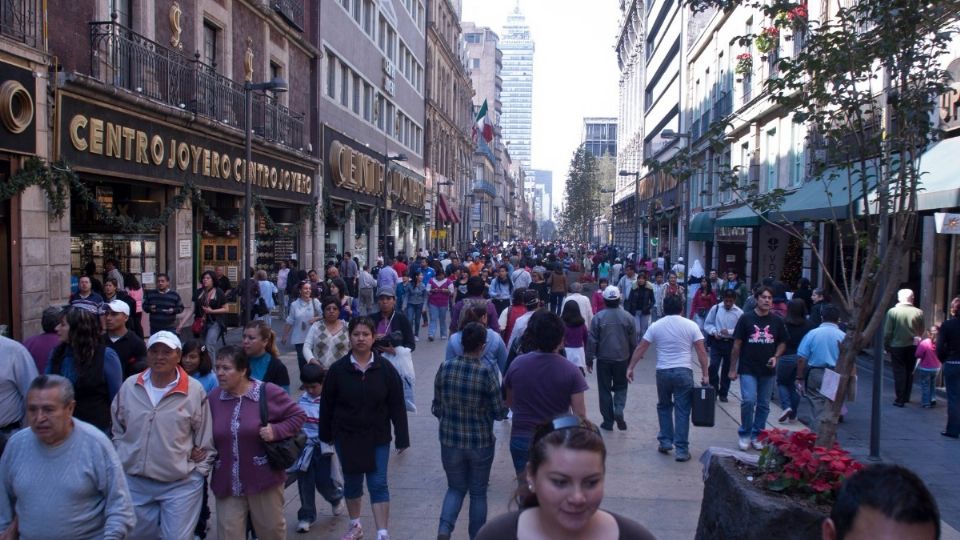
<point x="386" y="291"/>
<point x="611" y="293"/>
<point x="117" y="306"/>
<point x="167" y="338"/>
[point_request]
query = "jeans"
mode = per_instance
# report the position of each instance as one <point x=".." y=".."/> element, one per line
<point x="438" y="317"/>
<point x="903" y="360"/>
<point x="951" y="378"/>
<point x="720" y="365"/>
<point x="376" y="480"/>
<point x="642" y="323"/>
<point x="755" y="407"/>
<point x="167" y="510"/>
<point x="316" y="478"/>
<point x="520" y="451"/>
<point x="556" y="302"/>
<point x="927" y="378"/>
<point x="612" y="387"/>
<point x="674" y="394"/>
<point x="211" y="339"/>
<point x="414" y="315"/>
<point x="786" y="383"/>
<point x="468" y="469"/>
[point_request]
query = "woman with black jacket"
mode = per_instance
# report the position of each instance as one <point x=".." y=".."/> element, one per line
<point x="948" y="350"/>
<point x="362" y="397"/>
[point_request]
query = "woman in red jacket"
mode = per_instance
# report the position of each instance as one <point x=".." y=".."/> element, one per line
<point x="703" y="300"/>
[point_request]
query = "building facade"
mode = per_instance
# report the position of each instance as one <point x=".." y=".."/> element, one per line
<point x="599" y="136"/>
<point x="517" y="121"/>
<point x="632" y="63"/>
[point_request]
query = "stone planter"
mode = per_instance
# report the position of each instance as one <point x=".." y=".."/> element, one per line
<point x="734" y="507"/>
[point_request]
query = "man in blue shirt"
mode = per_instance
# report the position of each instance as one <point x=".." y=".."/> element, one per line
<point x="818" y="351"/>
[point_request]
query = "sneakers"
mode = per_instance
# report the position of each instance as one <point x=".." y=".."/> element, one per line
<point x="682" y="456"/>
<point x="354" y="533"/>
<point x="786" y="416"/>
<point x="339" y="508"/>
<point x="303" y="526"/>
<point x="744" y="443"/>
<point x="664" y="449"/>
<point x="621" y="423"/>
<point x="757" y="445"/>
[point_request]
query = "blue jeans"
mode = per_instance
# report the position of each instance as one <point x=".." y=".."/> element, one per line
<point x="755" y="407"/>
<point x="467" y="470"/>
<point x="438" y="316"/>
<point x="786" y="383"/>
<point x="376" y="480"/>
<point x="927" y="379"/>
<point x="951" y="378"/>
<point x="612" y="389"/>
<point x="520" y="451"/>
<point x="316" y="478"/>
<point x="720" y="365"/>
<point x="674" y="394"/>
<point x="414" y="315"/>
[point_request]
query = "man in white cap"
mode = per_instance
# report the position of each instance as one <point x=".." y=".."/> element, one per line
<point x="612" y="338"/>
<point x="680" y="270"/>
<point x="128" y="346"/>
<point x="163" y="435"/>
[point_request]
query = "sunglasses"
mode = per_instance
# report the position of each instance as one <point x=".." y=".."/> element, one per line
<point x="567" y="421"/>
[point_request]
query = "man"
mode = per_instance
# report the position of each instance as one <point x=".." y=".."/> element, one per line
<point x="62" y="478"/>
<point x="282" y="274"/>
<point x="532" y="303"/>
<point x="128" y="346"/>
<point x="902" y="330"/>
<point x="164" y="305"/>
<point x="626" y="283"/>
<point x="388" y="277"/>
<point x="720" y="324"/>
<point x="715" y="282"/>
<point x="390" y="320"/>
<point x="576" y="295"/>
<point x="883" y="501"/>
<point x="112" y="292"/>
<point x="400" y="266"/>
<point x="820" y="300"/>
<point x="17" y="370"/>
<point x="452" y="264"/>
<point x="680" y="270"/>
<point x="333" y="273"/>
<point x="640" y="302"/>
<point x="111" y="270"/>
<point x="475" y="290"/>
<point x="659" y="289"/>
<point x="424" y="269"/>
<point x="501" y="290"/>
<point x="350" y="273"/>
<point x="163" y="436"/>
<point x="818" y="351"/>
<point x="474" y="265"/>
<point x="616" y="271"/>
<point x="41" y="345"/>
<point x="675" y="338"/>
<point x="733" y="283"/>
<point x="294" y="279"/>
<point x="612" y="337"/>
<point x="366" y="285"/>
<point x="222" y="282"/>
<point x="318" y="289"/>
<point x="85" y="293"/>
<point x="760" y="339"/>
<point x="519" y="276"/>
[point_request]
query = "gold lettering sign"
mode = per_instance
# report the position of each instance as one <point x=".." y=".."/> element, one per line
<point x="360" y="172"/>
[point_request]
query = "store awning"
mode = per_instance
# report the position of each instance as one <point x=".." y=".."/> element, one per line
<point x="825" y="198"/>
<point x="939" y="180"/>
<point x="443" y="210"/>
<point x="701" y="227"/>
<point x="454" y="215"/>
<point x="740" y="217"/>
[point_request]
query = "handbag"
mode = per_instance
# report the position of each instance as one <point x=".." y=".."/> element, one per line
<point x="260" y="308"/>
<point x="281" y="454"/>
<point x="197" y="326"/>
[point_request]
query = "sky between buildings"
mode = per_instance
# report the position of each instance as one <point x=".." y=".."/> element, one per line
<point x="574" y="70"/>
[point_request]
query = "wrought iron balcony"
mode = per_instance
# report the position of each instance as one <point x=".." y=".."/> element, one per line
<point x="18" y="21"/>
<point x="291" y="11"/>
<point x="483" y="186"/>
<point x="122" y="58"/>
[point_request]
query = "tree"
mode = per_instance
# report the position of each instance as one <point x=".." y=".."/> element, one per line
<point x="864" y="83"/>
<point x="582" y="194"/>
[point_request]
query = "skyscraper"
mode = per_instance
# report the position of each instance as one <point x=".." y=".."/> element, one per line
<point x="517" y="96"/>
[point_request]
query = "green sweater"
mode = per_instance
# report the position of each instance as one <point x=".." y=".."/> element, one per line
<point x="903" y="323"/>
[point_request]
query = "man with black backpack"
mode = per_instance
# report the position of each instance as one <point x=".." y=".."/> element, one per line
<point x="475" y="289"/>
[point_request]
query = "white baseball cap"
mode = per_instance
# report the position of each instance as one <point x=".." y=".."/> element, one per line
<point x="118" y="306"/>
<point x="167" y="338"/>
<point x="611" y="293"/>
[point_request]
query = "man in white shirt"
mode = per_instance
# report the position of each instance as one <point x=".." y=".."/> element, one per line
<point x="680" y="270"/>
<point x="520" y="277"/>
<point x="720" y="323"/>
<point x="676" y="338"/>
<point x="626" y="282"/>
<point x="586" y="310"/>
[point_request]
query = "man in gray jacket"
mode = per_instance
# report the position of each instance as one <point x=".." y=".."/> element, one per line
<point x="613" y="336"/>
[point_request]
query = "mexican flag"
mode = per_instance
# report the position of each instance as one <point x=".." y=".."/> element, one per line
<point x="481" y="126"/>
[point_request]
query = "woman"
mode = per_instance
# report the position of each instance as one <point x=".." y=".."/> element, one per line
<point x="566" y="471"/>
<point x="260" y="347"/>
<point x="362" y="396"/>
<point x="509" y="316"/>
<point x="304" y="311"/>
<point x="575" y="335"/>
<point x="242" y="480"/>
<point x="596" y="300"/>
<point x="540" y="385"/>
<point x="135" y="291"/>
<point x="494" y="350"/>
<point x="439" y="292"/>
<point x="348" y="305"/>
<point x="327" y="340"/>
<point x="948" y="351"/>
<point x="209" y="305"/>
<point x="703" y="300"/>
<point x="558" y="288"/>
<point x="797" y="327"/>
<point x="416" y="296"/>
<point x="460" y="278"/>
<point x="268" y="292"/>
<point x="93" y="369"/>
<point x="543" y="289"/>
<point x="196" y="362"/>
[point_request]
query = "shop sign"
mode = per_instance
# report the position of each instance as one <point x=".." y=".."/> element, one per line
<point x="101" y="138"/>
<point x="773" y="251"/>
<point x="730" y="234"/>
<point x="357" y="171"/>
<point x="18" y="126"/>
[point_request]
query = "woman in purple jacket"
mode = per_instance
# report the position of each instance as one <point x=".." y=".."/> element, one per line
<point x="242" y="479"/>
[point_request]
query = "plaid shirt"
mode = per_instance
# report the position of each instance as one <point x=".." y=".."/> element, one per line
<point x="466" y="399"/>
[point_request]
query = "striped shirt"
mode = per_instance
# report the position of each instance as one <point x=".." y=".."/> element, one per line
<point x="311" y="406"/>
<point x="163" y="308"/>
<point x="466" y="399"/>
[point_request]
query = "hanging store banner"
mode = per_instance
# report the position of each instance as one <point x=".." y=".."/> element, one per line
<point x="101" y="138"/>
<point x="18" y="126"/>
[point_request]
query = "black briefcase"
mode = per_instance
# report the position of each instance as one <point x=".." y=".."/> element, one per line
<point x="704" y="406"/>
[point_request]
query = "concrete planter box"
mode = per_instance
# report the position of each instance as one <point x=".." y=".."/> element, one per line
<point x="734" y="507"/>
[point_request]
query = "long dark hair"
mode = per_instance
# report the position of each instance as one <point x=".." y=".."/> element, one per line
<point x="83" y="344"/>
<point x="571" y="315"/>
<point x="585" y="436"/>
<point x="206" y="365"/>
<point x="341" y="287"/>
<point x="796" y="312"/>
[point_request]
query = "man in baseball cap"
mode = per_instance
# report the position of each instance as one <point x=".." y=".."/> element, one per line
<point x="128" y="346"/>
<point x="612" y="338"/>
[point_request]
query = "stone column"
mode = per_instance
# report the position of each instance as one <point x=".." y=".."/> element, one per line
<point x="372" y="236"/>
<point x="317" y="241"/>
<point x="350" y="232"/>
<point x="180" y="268"/>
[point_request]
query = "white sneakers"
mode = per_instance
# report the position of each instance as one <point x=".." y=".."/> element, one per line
<point x="744" y="443"/>
<point x="303" y="526"/>
<point x="786" y="417"/>
<point x="757" y="445"/>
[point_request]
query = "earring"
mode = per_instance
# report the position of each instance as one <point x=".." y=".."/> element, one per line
<point x="530" y="487"/>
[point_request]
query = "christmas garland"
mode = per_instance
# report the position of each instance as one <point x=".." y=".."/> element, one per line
<point x="363" y="224"/>
<point x="52" y="180"/>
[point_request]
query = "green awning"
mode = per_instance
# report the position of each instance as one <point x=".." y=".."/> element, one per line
<point x="741" y="217"/>
<point x="939" y="177"/>
<point x="826" y="197"/>
<point x="701" y="227"/>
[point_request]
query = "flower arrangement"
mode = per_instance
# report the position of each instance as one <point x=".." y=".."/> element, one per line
<point x="792" y="463"/>
<point x="795" y="18"/>
<point x="768" y="39"/>
<point x="744" y="64"/>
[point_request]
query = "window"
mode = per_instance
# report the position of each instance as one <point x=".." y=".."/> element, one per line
<point x="369" y="12"/>
<point x="122" y="8"/>
<point x="796" y="157"/>
<point x="357" y="88"/>
<point x="476" y="63"/>
<point x="367" y="102"/>
<point x="472" y="38"/>
<point x="332" y="65"/>
<point x="772" y="163"/>
<point x="210" y="38"/>
<point x="344" y="85"/>
<point x="276" y="72"/>
<point x="391" y="120"/>
<point x="380" y="112"/>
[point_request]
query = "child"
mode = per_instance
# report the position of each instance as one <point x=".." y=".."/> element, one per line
<point x="596" y="301"/>
<point x="928" y="367"/>
<point x="575" y="336"/>
<point x="316" y="464"/>
<point x="196" y="362"/>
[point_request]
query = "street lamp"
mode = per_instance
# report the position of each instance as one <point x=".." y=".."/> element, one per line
<point x="636" y="218"/>
<point x="670" y="134"/>
<point x="387" y="158"/>
<point x="277" y="85"/>
<point x="436" y="216"/>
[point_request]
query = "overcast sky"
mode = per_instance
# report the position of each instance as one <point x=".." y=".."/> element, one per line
<point x="574" y="70"/>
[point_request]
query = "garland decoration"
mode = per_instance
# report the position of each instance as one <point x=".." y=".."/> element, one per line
<point x="53" y="180"/>
<point x="364" y="221"/>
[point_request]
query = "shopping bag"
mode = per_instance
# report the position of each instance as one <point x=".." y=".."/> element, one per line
<point x="403" y="361"/>
<point x="704" y="406"/>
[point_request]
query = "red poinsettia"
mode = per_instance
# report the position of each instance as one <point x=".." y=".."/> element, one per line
<point x="791" y="462"/>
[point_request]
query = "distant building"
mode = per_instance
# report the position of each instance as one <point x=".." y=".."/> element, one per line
<point x="517" y="121"/>
<point x="599" y="136"/>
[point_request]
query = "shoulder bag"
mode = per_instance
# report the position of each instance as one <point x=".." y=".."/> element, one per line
<point x="283" y="453"/>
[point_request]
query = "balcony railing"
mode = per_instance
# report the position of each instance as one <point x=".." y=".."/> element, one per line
<point x="291" y="10"/>
<point x="122" y="58"/>
<point x="485" y="187"/>
<point x="18" y="21"/>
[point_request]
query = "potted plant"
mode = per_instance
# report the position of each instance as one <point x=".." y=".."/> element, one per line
<point x="744" y="65"/>
<point x="768" y="39"/>
<point x="794" y="19"/>
<point x="792" y="463"/>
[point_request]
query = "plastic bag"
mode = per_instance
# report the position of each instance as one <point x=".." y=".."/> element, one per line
<point x="403" y="361"/>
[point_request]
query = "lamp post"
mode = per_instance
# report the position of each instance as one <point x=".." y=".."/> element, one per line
<point x="636" y="213"/>
<point x="387" y="158"/>
<point x="436" y="215"/>
<point x="277" y="85"/>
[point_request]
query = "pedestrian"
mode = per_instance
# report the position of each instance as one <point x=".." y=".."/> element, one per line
<point x="627" y="282"/>
<point x="62" y="477"/>
<point x="198" y="364"/>
<point x="596" y="299"/>
<point x="475" y="290"/>
<point x="676" y="339"/>
<point x="520" y="277"/>
<point x="558" y="288"/>
<point x="350" y="274"/>
<point x="388" y="277"/>
<point x="85" y="293"/>
<point x="501" y="290"/>
<point x="576" y="296"/>
<point x="392" y="327"/>
<point x="17" y="371"/>
<point x="111" y="269"/>
<point x="659" y="290"/>
<point x="575" y="335"/>
<point x="318" y="289"/>
<point x="494" y="352"/>
<point x="818" y="351"/>
<point x="221" y="281"/>
<point x="440" y="291"/>
<point x="539" y="385"/>
<point x="416" y="297"/>
<point x="362" y="397"/>
<point x="640" y="302"/>
<point x="540" y="285"/>
<point x="260" y="347"/>
<point x="804" y="292"/>
<point x="163" y="305"/>
<point x="948" y="350"/>
<point x="112" y="292"/>
<point x="612" y="338"/>
<point x="531" y="302"/>
<point x="41" y="345"/>
<point x="283" y="273"/>
<point x="759" y="341"/>
<point x="467" y="400"/>
<point x="674" y="288"/>
<point x="327" y="340"/>
<point x="928" y="367"/>
<point x="135" y="292"/>
<point x="304" y="311"/>
<point x="317" y="467"/>
<point x="129" y="347"/>
<point x="797" y="328"/>
<point x="295" y="278"/>
<point x="367" y="286"/>
<point x="243" y="481"/>
<point x="162" y="433"/>
<point x="733" y="283"/>
<point x="703" y="300"/>
<point x="902" y="329"/>
<point x="820" y="299"/>
<point x="268" y="291"/>
<point x="94" y="371"/>
<point x="566" y="471"/>
<point x="349" y="306"/>
<point x="209" y="308"/>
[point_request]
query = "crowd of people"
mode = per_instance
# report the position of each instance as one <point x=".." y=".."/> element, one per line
<point x="163" y="420"/>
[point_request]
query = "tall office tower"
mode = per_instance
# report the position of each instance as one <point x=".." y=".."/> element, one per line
<point x="517" y="96"/>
